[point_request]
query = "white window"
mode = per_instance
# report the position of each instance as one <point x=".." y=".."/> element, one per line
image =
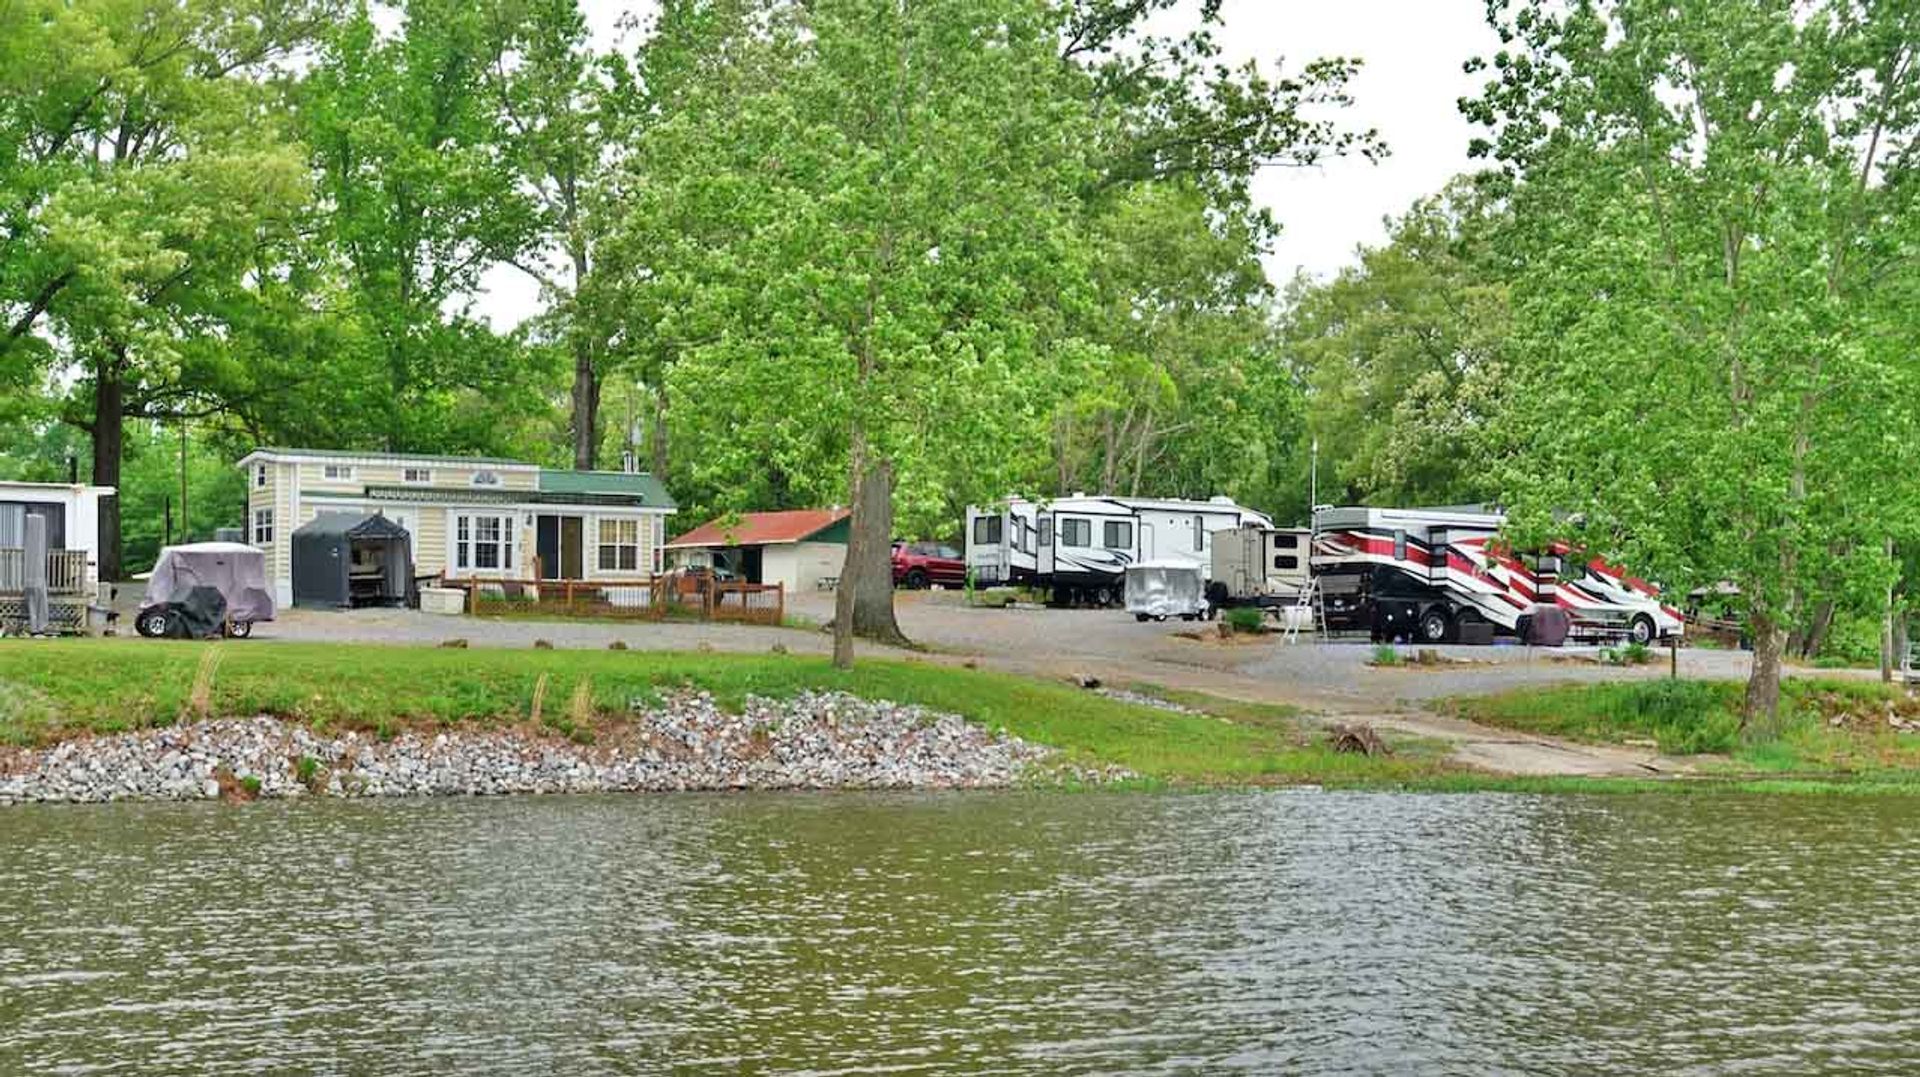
<point x="619" y="545"/>
<point x="336" y="471"/>
<point x="486" y="478"/>
<point x="259" y="474"/>
<point x="262" y="527"/>
<point x="416" y="474"/>
<point x="483" y="542"/>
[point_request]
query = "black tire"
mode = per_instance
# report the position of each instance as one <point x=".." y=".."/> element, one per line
<point x="1436" y="626"/>
<point x="1640" y="630"/>
<point x="1141" y="617"/>
<point x="1103" y="597"/>
<point x="240" y="629"/>
<point x="916" y="580"/>
<point x="152" y="623"/>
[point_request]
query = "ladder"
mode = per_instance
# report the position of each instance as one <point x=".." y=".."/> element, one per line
<point x="1310" y="606"/>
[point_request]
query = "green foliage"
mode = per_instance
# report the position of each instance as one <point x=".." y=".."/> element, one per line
<point x="1385" y="654"/>
<point x="1683" y="717"/>
<point x="1706" y="199"/>
<point x="1404" y="356"/>
<point x="1243" y="619"/>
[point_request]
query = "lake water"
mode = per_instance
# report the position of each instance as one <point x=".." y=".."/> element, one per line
<point x="977" y="933"/>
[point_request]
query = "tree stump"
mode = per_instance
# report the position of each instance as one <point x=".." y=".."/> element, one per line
<point x="1358" y="739"/>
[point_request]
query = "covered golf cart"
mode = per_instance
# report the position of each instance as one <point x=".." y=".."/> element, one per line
<point x="1163" y="589"/>
<point x="345" y="559"/>
<point x="206" y="589"/>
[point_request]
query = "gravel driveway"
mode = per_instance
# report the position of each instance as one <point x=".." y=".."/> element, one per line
<point x="1327" y="680"/>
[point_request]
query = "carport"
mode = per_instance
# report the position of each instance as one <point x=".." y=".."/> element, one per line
<point x="345" y="559"/>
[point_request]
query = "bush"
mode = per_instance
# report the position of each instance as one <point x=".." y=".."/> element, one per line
<point x="1244" y="619"/>
<point x="1384" y="654"/>
<point x="1682" y="717"/>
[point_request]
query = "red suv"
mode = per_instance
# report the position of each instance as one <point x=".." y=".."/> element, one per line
<point x="918" y="564"/>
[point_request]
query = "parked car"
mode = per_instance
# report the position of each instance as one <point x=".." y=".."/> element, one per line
<point x="921" y="564"/>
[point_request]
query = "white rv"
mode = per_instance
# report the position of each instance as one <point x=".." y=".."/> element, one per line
<point x="1260" y="566"/>
<point x="1433" y="574"/>
<point x="1079" y="547"/>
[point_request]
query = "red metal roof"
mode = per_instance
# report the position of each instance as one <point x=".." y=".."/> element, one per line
<point x="762" y="528"/>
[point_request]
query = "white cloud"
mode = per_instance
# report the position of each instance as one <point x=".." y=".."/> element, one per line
<point x="1413" y="50"/>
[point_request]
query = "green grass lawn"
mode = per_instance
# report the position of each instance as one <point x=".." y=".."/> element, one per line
<point x="55" y="689"/>
<point x="1702" y="717"/>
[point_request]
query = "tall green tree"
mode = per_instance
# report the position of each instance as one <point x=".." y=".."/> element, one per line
<point x="413" y="157"/>
<point x="885" y="192"/>
<point x="146" y="174"/>
<point x="1403" y="356"/>
<point x="1714" y="242"/>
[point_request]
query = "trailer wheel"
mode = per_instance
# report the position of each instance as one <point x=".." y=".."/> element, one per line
<point x="1141" y="617"/>
<point x="1103" y="597"/>
<point x="1640" y="629"/>
<point x="1435" y="625"/>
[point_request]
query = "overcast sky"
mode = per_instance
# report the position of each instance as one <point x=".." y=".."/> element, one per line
<point x="1413" y="50"/>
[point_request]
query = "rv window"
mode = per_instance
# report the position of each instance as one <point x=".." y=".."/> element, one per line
<point x="1286" y="542"/>
<point x="1399" y="545"/>
<point x="1118" y="535"/>
<point x="1286" y="562"/>
<point x="986" y="531"/>
<point x="1199" y="532"/>
<point x="1046" y="531"/>
<point x="1076" y="532"/>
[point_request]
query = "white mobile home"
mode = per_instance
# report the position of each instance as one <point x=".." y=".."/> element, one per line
<point x="467" y="517"/>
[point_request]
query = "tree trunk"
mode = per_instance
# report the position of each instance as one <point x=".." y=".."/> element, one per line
<point x="1888" y="660"/>
<point x="1818" y="630"/>
<point x="109" y="415"/>
<point x="1762" y="706"/>
<point x="586" y="405"/>
<point x="657" y="433"/>
<point x="863" y="605"/>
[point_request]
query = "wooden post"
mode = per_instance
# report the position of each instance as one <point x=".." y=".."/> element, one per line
<point x="569" y="596"/>
<point x="780" y="604"/>
<point x="1673" y="657"/>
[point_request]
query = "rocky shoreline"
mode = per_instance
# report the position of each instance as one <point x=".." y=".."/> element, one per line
<point x="684" y="743"/>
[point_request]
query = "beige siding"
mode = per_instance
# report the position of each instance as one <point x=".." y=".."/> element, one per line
<point x="652" y="529"/>
<point x="430" y="540"/>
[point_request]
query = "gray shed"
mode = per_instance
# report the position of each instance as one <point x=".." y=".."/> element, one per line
<point x="351" y="559"/>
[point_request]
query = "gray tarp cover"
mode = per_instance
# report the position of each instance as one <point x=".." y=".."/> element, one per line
<point x="238" y="571"/>
<point x="1165" y="589"/>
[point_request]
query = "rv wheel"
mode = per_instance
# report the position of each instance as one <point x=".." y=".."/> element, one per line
<point x="1640" y="629"/>
<point x="1103" y="597"/>
<point x="1141" y="617"/>
<point x="1435" y="626"/>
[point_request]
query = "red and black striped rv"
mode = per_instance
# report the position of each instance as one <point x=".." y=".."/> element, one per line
<point x="1441" y="575"/>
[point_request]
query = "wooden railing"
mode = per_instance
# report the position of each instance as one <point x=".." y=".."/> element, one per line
<point x="645" y="598"/>
<point x="66" y="571"/>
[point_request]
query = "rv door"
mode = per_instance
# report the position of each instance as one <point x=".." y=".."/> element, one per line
<point x="1043" y="557"/>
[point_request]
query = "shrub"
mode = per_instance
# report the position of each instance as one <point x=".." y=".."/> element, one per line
<point x="1636" y="654"/>
<point x="1384" y="654"/>
<point x="1244" y="619"/>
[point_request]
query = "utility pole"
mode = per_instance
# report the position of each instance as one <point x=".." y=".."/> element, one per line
<point x="1313" y="480"/>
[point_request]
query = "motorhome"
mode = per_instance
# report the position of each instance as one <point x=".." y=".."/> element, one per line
<point x="1435" y="575"/>
<point x="1079" y="547"/>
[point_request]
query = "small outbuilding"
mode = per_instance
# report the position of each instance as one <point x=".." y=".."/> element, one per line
<point x="801" y="549"/>
<point x="352" y="559"/>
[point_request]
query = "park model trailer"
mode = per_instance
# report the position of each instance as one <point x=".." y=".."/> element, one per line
<point x="1434" y="575"/>
<point x="1079" y="547"/>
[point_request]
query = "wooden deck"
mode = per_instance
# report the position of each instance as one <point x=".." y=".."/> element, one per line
<point x="66" y="571"/>
<point x="645" y="598"/>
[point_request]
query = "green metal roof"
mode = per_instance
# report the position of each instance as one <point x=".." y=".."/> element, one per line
<point x="633" y="487"/>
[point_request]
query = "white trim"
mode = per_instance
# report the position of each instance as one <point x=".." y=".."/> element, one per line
<point x="374" y="459"/>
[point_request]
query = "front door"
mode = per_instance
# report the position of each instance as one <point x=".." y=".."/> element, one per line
<point x="557" y="541"/>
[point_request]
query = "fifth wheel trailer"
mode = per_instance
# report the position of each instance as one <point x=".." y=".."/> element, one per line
<point x="1433" y="575"/>
<point x="1079" y="547"/>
